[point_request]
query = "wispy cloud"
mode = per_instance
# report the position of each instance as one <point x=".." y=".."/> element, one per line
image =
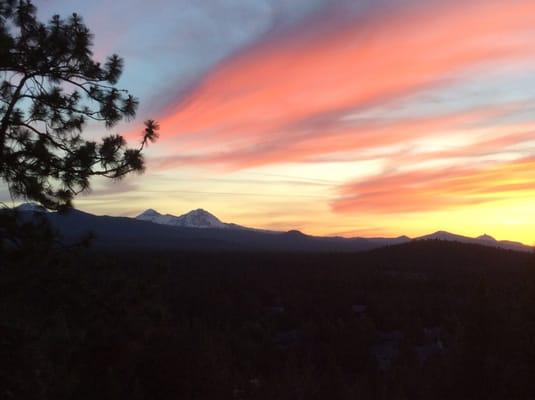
<point x="295" y="88"/>
<point x="436" y="189"/>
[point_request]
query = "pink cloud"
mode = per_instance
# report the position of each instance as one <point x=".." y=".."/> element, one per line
<point x="282" y="99"/>
<point x="367" y="136"/>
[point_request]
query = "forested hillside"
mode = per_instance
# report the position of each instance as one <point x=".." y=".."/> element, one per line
<point x="417" y="321"/>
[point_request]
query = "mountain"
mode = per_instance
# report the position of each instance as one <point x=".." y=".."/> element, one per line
<point x="200" y="230"/>
<point x="447" y="236"/>
<point x="196" y="231"/>
<point x="194" y="219"/>
<point x="484" y="240"/>
<point x="487" y="238"/>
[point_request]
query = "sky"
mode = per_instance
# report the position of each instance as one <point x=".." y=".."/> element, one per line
<point x="334" y="117"/>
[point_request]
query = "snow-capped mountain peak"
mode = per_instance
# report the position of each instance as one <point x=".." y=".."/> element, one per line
<point x="151" y="211"/>
<point x="198" y="218"/>
<point x="148" y="213"/>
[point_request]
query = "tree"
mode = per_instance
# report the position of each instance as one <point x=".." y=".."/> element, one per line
<point x="50" y="88"/>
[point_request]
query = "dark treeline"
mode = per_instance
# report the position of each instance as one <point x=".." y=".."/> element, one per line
<point x="427" y="320"/>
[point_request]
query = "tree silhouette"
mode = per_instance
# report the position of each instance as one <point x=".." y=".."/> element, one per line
<point x="50" y="88"/>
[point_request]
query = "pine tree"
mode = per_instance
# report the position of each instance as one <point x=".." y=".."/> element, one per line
<point x="50" y="88"/>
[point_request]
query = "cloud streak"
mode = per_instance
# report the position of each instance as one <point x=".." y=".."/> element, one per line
<point x="297" y="87"/>
<point x="437" y="189"/>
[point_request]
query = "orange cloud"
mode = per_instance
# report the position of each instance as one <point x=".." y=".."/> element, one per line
<point x="279" y="100"/>
<point x="437" y="189"/>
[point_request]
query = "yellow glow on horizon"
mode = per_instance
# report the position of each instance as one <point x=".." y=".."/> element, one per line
<point x="269" y="201"/>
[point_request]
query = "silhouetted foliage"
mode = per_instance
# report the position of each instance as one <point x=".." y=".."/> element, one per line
<point x="33" y="235"/>
<point x="50" y="88"/>
<point x="30" y="234"/>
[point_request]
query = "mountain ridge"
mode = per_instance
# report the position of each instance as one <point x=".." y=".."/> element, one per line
<point x="484" y="240"/>
<point x="205" y="229"/>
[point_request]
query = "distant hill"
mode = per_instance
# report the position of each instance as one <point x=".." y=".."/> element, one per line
<point x="201" y="230"/>
<point x="484" y="240"/>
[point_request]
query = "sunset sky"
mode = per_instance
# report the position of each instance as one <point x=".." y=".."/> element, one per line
<point x="338" y="117"/>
